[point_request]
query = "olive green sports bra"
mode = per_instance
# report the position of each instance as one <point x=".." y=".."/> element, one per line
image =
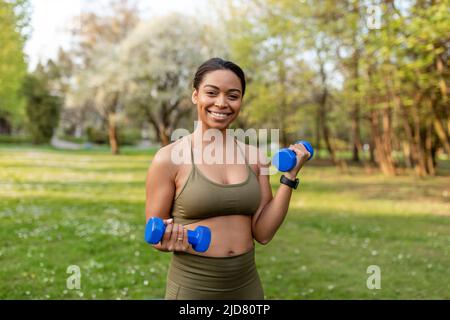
<point x="201" y="198"/>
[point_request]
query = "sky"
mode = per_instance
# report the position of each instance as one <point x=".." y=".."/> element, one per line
<point x="50" y="20"/>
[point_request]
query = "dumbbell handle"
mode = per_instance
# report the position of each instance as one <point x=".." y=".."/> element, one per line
<point x="286" y="159"/>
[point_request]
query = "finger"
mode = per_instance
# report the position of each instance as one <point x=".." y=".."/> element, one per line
<point x="185" y="240"/>
<point x="167" y="234"/>
<point x="179" y="241"/>
<point x="167" y="221"/>
<point x="300" y="150"/>
<point x="173" y="237"/>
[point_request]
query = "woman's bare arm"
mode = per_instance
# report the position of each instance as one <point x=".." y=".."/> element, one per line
<point x="272" y="211"/>
<point x="160" y="190"/>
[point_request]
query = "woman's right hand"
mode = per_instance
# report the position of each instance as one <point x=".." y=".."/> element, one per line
<point x="175" y="237"/>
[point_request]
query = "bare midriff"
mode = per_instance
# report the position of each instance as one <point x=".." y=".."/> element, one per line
<point x="231" y="235"/>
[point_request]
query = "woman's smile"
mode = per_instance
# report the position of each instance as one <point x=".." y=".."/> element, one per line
<point x="219" y="115"/>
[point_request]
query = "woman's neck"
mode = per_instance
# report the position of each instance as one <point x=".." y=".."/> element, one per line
<point x="205" y="135"/>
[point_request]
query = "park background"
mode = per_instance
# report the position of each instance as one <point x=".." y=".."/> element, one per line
<point x="367" y="82"/>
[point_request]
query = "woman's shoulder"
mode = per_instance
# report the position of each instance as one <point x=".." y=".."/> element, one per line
<point x="164" y="158"/>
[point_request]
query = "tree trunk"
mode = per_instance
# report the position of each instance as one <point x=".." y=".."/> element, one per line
<point x="318" y="127"/>
<point x="355" y="114"/>
<point x="323" y="100"/>
<point x="371" y="150"/>
<point x="387" y="138"/>
<point x="383" y="157"/>
<point x="112" y="133"/>
<point x="431" y="170"/>
<point x="407" y="154"/>
<point x="420" y="156"/>
<point x="439" y="128"/>
<point x="163" y="135"/>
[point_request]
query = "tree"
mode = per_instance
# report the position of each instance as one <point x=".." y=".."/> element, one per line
<point x="42" y="108"/>
<point x="95" y="56"/>
<point x="157" y="62"/>
<point x="14" y="21"/>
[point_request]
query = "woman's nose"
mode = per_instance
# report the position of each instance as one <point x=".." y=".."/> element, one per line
<point x="220" y="102"/>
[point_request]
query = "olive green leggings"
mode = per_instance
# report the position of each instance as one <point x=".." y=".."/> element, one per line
<point x="194" y="277"/>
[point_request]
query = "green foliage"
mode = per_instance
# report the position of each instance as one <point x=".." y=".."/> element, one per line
<point x="12" y="59"/>
<point x="42" y="108"/>
<point x="125" y="136"/>
<point x="15" y="139"/>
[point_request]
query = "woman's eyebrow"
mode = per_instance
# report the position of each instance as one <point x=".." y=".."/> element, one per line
<point x="210" y="85"/>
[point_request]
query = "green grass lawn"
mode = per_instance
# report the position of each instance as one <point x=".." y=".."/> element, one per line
<point x="86" y="208"/>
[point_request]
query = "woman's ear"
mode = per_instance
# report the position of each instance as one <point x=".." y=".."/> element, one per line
<point x="194" y="97"/>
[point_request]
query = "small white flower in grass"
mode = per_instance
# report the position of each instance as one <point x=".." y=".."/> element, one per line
<point x="296" y="251"/>
<point x="81" y="294"/>
<point x="279" y="276"/>
<point x="430" y="265"/>
<point x="374" y="252"/>
<point x="272" y="258"/>
<point x="152" y="270"/>
<point x="27" y="293"/>
<point x="330" y="287"/>
<point x="303" y="268"/>
<point x="145" y="282"/>
<point x="137" y="253"/>
<point x="65" y="292"/>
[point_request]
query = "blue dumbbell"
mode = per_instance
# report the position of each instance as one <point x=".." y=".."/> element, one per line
<point x="200" y="238"/>
<point x="286" y="159"/>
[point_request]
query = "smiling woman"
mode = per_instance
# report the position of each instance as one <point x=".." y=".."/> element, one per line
<point x="232" y="198"/>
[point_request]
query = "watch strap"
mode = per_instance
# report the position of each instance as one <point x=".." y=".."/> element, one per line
<point x="290" y="183"/>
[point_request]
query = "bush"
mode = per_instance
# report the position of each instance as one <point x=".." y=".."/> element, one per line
<point x="95" y="135"/>
<point x="125" y="136"/>
<point x="15" y="139"/>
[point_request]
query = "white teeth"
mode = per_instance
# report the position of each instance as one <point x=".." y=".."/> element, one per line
<point x="219" y="115"/>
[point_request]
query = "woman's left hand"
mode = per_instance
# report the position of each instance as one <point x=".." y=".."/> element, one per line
<point x="302" y="156"/>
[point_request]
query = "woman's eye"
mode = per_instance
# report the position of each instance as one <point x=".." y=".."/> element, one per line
<point x="210" y="92"/>
<point x="234" y="97"/>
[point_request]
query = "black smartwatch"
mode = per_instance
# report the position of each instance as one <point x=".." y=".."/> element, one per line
<point x="290" y="183"/>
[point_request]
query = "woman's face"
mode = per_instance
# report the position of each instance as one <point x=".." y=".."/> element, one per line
<point x="218" y="99"/>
